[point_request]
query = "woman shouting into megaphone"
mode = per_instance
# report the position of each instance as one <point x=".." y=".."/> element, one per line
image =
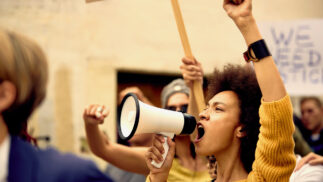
<point x="247" y="124"/>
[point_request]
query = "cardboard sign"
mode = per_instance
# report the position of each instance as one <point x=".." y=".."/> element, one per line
<point x="297" y="48"/>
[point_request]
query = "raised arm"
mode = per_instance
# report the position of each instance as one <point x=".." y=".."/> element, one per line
<point x="274" y="157"/>
<point x="127" y="158"/>
<point x="268" y="77"/>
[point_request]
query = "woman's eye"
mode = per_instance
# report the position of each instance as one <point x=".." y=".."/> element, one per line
<point x="218" y="109"/>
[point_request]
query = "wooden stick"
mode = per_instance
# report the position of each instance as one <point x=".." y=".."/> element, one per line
<point x="181" y="29"/>
<point x="197" y="86"/>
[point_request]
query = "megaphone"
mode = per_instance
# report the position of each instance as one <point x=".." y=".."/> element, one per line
<point x="137" y="117"/>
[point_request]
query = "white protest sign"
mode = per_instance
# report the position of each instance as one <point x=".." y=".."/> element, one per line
<point x="297" y="47"/>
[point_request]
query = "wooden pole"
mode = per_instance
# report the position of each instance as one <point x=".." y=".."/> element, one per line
<point x="197" y="86"/>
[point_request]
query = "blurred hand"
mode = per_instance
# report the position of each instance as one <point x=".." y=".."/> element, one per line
<point x="191" y="71"/>
<point x="239" y="10"/>
<point x="95" y="114"/>
<point x="311" y="158"/>
<point x="155" y="153"/>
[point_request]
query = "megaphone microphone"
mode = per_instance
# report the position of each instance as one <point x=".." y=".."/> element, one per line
<point x="137" y="117"/>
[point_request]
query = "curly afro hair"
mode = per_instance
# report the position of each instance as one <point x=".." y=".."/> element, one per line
<point x="243" y="82"/>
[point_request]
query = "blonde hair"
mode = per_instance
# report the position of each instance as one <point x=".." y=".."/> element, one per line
<point x="23" y="63"/>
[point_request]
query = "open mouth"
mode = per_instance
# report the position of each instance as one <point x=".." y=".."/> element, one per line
<point x="200" y="131"/>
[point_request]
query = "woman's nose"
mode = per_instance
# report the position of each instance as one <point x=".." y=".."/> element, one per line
<point x="204" y="115"/>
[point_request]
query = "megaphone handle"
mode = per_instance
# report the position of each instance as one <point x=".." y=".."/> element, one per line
<point x="166" y="148"/>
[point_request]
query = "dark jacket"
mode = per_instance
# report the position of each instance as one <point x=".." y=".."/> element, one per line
<point x="29" y="164"/>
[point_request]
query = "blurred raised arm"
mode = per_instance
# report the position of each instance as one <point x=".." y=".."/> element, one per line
<point x="127" y="158"/>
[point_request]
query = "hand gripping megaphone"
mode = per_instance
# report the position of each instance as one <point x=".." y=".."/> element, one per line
<point x="137" y="117"/>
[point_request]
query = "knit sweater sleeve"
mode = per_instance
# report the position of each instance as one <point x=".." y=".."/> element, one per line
<point x="275" y="159"/>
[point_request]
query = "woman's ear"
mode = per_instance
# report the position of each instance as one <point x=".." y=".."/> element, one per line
<point x="240" y="133"/>
<point x="8" y="93"/>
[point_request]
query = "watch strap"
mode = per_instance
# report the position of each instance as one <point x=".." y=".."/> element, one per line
<point x="259" y="51"/>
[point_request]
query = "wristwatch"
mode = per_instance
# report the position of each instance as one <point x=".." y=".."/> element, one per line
<point x="256" y="51"/>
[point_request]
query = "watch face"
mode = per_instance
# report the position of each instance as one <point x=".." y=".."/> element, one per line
<point x="246" y="56"/>
<point x="249" y="55"/>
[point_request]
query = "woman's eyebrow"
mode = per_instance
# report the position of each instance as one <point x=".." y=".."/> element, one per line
<point x="218" y="103"/>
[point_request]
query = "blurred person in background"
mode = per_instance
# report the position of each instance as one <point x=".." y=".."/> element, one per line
<point x="23" y="81"/>
<point x="312" y="120"/>
<point x="139" y="140"/>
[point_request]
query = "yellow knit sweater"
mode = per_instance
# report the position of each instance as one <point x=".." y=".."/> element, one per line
<point x="275" y="159"/>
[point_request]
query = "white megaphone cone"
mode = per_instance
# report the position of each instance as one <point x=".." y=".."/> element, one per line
<point x="137" y="117"/>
